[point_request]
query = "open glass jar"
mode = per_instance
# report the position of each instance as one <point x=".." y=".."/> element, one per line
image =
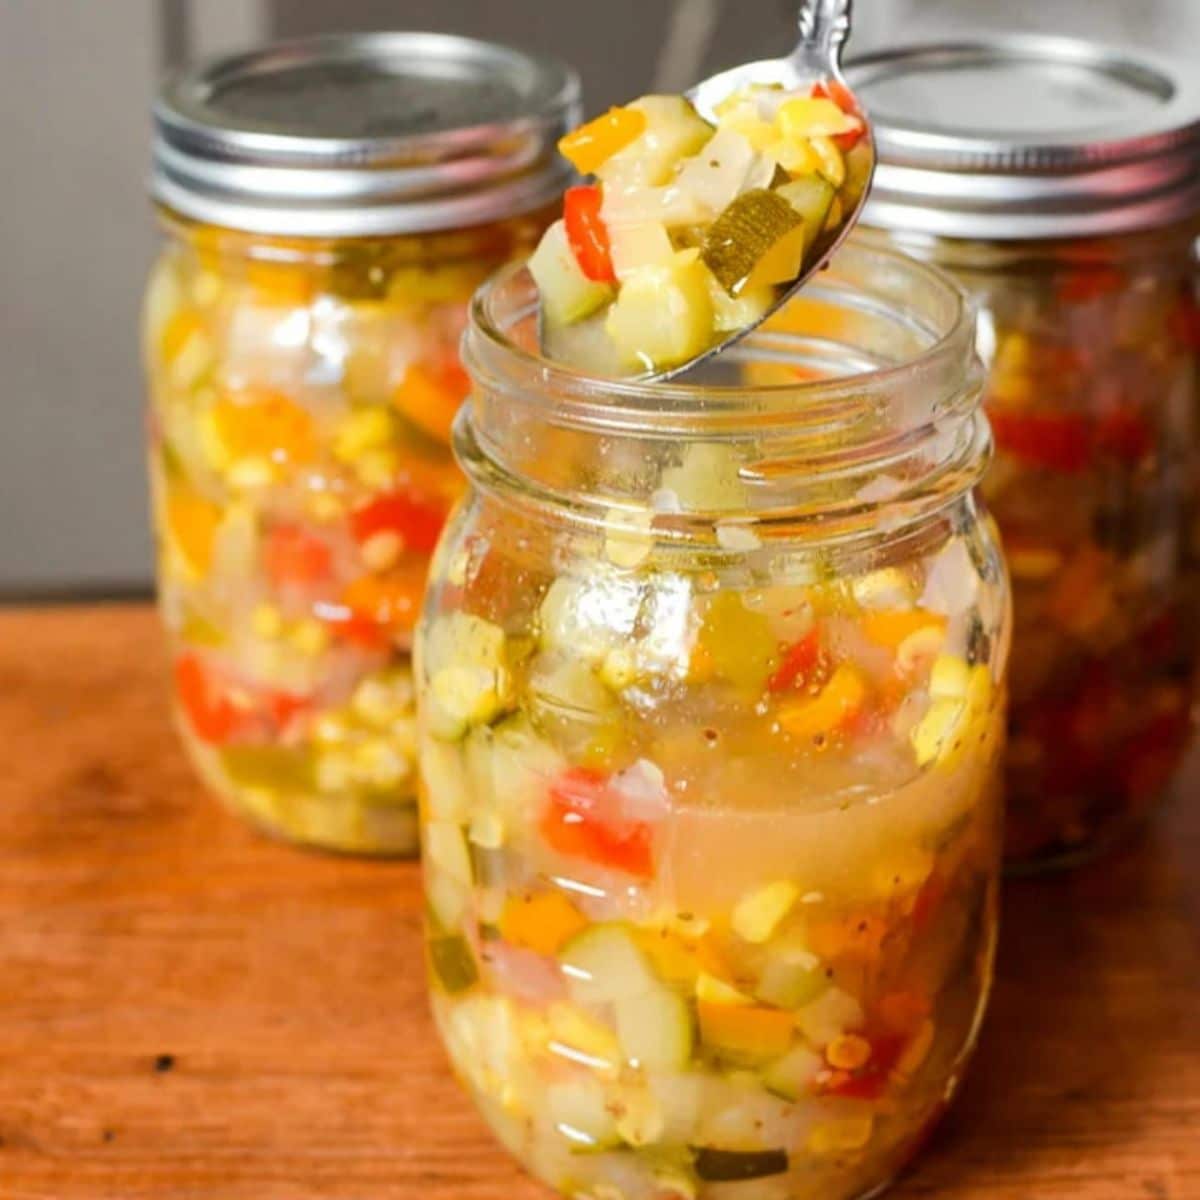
<point x="710" y="681"/>
<point x="329" y="206"/>
<point x="1060" y="183"/>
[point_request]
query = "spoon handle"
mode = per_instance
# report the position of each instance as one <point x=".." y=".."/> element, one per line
<point x="824" y="27"/>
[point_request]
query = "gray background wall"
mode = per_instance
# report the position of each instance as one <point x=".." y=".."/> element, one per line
<point x="76" y="236"/>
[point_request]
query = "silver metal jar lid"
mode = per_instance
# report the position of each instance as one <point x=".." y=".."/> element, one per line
<point x="1010" y="137"/>
<point x="363" y="134"/>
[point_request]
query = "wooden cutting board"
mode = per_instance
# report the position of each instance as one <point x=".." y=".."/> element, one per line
<point x="190" y="1010"/>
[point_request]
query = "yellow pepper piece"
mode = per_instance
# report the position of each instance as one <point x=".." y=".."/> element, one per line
<point x="192" y="523"/>
<point x="842" y="1135"/>
<point x="592" y="145"/>
<point x="542" y="923"/>
<point x="890" y="627"/>
<point x="838" y="701"/>
<point x="183" y="325"/>
<point x="757" y="915"/>
<point x="265" y="426"/>
<point x="745" y="1030"/>
<point x="808" y="117"/>
<point x="960" y="696"/>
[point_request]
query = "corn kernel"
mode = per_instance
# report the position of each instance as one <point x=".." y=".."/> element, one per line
<point x="335" y="771"/>
<point x="325" y="506"/>
<point x="310" y="637"/>
<point x="848" y="1052"/>
<point x="363" y="430"/>
<point x="250" y="474"/>
<point x="379" y="764"/>
<point x="382" y="550"/>
<point x="619" y="669"/>
<point x="330" y="727"/>
<point x="377" y="468"/>
<point x="267" y="621"/>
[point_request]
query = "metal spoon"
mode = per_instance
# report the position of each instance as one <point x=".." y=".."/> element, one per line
<point x="824" y="27"/>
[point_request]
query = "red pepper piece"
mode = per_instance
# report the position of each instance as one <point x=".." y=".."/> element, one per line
<point x="845" y="99"/>
<point x="214" y="718"/>
<point x="870" y="1081"/>
<point x="416" y="520"/>
<point x="1184" y="321"/>
<point x="1090" y="283"/>
<point x="587" y="234"/>
<point x="294" y="555"/>
<point x="1125" y="435"/>
<point x="800" y="661"/>
<point x="1053" y="441"/>
<point x="583" y="819"/>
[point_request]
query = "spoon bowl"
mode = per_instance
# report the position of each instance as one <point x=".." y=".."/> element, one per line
<point x="824" y="26"/>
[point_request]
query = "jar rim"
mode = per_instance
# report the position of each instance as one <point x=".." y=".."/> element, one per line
<point x="491" y="353"/>
<point x="868" y="453"/>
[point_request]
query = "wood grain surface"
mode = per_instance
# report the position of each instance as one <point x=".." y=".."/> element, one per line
<point x="189" y="1010"/>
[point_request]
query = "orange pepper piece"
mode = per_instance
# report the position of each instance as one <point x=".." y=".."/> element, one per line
<point x="390" y="601"/>
<point x="745" y="1030"/>
<point x="592" y="145"/>
<point x="192" y="523"/>
<point x="890" y="627"/>
<point x="543" y="923"/>
<point x="258" y="423"/>
<point x="429" y="397"/>
<point x="828" y="711"/>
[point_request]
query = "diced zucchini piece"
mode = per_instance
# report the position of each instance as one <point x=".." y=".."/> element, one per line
<point x="567" y="294"/>
<point x="748" y="1033"/>
<point x="734" y="313"/>
<point x="662" y="315"/>
<point x="791" y="978"/>
<point x="452" y="963"/>
<point x="522" y="765"/>
<point x="792" y="1075"/>
<point x="674" y="130"/>
<point x="812" y="197"/>
<point x="728" y="1166"/>
<point x="757" y="914"/>
<point x="446" y="848"/>
<point x="644" y="244"/>
<point x="447" y="791"/>
<point x="655" y="1029"/>
<point x="603" y="964"/>
<point x="579" y="1111"/>
<point x="759" y="239"/>
<point x="465" y="660"/>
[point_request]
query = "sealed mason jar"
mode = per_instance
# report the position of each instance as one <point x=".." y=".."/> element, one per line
<point x="330" y="206"/>
<point x="1060" y="182"/>
<point x="710" y="680"/>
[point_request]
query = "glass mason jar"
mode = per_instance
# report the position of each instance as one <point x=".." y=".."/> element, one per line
<point x="711" y="684"/>
<point x="301" y="337"/>
<point x="1080" y="257"/>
